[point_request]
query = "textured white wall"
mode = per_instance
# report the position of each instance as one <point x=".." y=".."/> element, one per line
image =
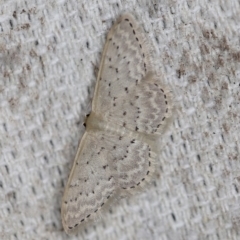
<point x="48" y="51"/>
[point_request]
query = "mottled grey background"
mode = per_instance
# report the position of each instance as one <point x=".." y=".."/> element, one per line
<point x="48" y="52"/>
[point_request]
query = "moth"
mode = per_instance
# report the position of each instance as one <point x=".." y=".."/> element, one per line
<point x="130" y="107"/>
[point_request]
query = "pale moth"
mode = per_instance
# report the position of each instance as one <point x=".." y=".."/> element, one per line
<point x="130" y="107"/>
